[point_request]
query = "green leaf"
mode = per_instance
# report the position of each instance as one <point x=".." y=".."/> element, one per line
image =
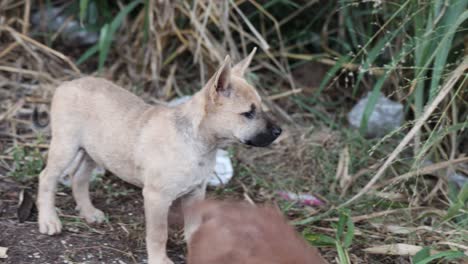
<point x="449" y="21"/>
<point x="107" y="34"/>
<point x="453" y="210"/>
<point x="445" y="255"/>
<point x="348" y="239"/>
<point x="342" y="254"/>
<point x="371" y="102"/>
<point x="373" y="97"/>
<point x="463" y="194"/>
<point x="104" y="45"/>
<point x="341" y="225"/>
<point x="319" y="239"/>
<point x="90" y="52"/>
<point x="459" y="204"/>
<point x="83" y="9"/>
<point x="422" y="254"/>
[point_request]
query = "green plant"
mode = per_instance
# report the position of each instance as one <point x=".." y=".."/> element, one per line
<point x="424" y="256"/>
<point x="343" y="237"/>
<point x="422" y="32"/>
<point x="107" y="32"/>
<point x="28" y="163"/>
<point x="457" y="204"/>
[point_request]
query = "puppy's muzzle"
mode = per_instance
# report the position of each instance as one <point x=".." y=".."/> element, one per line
<point x="265" y="137"/>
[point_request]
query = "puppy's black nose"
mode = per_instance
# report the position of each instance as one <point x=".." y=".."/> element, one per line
<point x="276" y="131"/>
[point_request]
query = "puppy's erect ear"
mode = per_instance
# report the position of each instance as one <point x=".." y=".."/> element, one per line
<point x="241" y="67"/>
<point x="222" y="78"/>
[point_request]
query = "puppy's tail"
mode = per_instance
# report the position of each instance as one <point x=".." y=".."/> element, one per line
<point x="40" y="120"/>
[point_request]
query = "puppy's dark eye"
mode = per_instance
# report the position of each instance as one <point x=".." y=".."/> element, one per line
<point x="250" y="114"/>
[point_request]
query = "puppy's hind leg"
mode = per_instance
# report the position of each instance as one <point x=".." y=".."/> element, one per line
<point x="59" y="163"/>
<point x="81" y="191"/>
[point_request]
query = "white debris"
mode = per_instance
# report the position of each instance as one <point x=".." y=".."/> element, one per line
<point x="386" y="116"/>
<point x="3" y="252"/>
<point x="223" y="169"/>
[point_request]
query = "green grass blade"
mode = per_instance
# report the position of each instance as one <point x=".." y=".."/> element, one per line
<point x="83" y="9"/>
<point x="341" y="225"/>
<point x="319" y="239"/>
<point x="88" y="53"/>
<point x="422" y="255"/>
<point x="108" y="32"/>
<point x="463" y="195"/>
<point x="442" y="255"/>
<point x="104" y="45"/>
<point x="331" y="73"/>
<point x="453" y="12"/>
<point x="345" y="7"/>
<point x="373" y="97"/>
<point x="115" y="24"/>
<point x="348" y="239"/>
<point x="342" y="255"/>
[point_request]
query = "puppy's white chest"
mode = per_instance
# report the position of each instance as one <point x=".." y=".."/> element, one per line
<point x="197" y="176"/>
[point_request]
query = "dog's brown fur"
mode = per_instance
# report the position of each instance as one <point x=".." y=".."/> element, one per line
<point x="169" y="152"/>
<point x="240" y="233"/>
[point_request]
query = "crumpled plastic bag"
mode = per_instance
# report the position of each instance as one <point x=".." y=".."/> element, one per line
<point x="386" y="116"/>
<point x="223" y="170"/>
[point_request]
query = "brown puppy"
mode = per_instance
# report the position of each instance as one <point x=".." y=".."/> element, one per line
<point x="240" y="233"/>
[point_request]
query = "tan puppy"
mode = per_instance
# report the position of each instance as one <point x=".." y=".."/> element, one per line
<point x="169" y="152"/>
<point x="240" y="233"/>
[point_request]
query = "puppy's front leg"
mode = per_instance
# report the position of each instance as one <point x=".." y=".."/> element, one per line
<point x="156" y="211"/>
<point x="192" y="220"/>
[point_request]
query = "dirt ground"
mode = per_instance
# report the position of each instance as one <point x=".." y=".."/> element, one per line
<point x="120" y="240"/>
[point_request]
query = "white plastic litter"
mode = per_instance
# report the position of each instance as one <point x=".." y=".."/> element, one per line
<point x="3" y="252"/>
<point x="223" y="169"/>
<point x="386" y="116"/>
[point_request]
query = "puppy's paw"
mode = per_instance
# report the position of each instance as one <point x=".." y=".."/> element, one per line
<point x="168" y="261"/>
<point x="165" y="260"/>
<point x="49" y="224"/>
<point x="93" y="215"/>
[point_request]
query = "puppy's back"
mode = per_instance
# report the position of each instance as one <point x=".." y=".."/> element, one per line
<point x="235" y="233"/>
